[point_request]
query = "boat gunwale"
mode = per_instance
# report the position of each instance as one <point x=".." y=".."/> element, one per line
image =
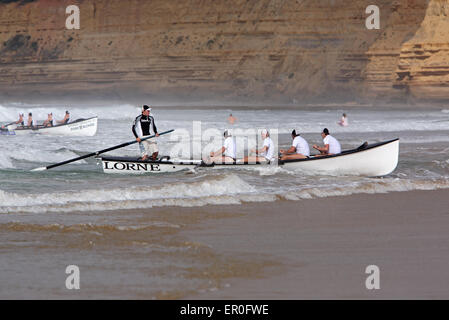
<point x="280" y="162"/>
<point x="343" y="153"/>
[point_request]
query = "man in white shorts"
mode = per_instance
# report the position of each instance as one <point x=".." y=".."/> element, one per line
<point x="331" y="145"/>
<point x="298" y="150"/>
<point x="226" y="154"/>
<point x="266" y="153"/>
<point x="141" y="129"/>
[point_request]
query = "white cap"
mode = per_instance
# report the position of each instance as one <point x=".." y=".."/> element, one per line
<point x="227" y="133"/>
<point x="265" y="132"/>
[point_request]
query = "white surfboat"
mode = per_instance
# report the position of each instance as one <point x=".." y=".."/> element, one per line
<point x="79" y="127"/>
<point x="372" y="160"/>
<point x="129" y="165"/>
<point x="378" y="159"/>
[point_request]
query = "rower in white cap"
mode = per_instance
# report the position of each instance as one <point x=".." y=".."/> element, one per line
<point x="226" y="154"/>
<point x="298" y="150"/>
<point x="266" y="153"/>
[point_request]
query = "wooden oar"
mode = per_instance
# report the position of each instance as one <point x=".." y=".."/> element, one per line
<point x="97" y="152"/>
<point x="6" y="125"/>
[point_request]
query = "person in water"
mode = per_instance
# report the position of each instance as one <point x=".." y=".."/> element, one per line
<point x="298" y="150"/>
<point x="343" y="121"/>
<point x="226" y="154"/>
<point x="331" y="145"/>
<point x="142" y="126"/>
<point x="30" y="122"/>
<point x="49" y="121"/>
<point x="266" y="153"/>
<point x="66" y="118"/>
<point x="232" y="119"/>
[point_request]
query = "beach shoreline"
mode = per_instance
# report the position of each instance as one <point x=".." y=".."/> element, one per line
<point x="306" y="249"/>
<point x="324" y="245"/>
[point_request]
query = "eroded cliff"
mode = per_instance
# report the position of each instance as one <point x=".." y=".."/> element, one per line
<point x="261" y="51"/>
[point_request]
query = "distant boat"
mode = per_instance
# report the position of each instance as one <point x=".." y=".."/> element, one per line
<point x="79" y="127"/>
<point x="377" y="159"/>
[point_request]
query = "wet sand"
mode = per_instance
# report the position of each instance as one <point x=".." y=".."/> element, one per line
<point x="307" y="249"/>
<point x="324" y="245"/>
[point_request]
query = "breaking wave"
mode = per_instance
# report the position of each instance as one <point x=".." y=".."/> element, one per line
<point x="183" y="194"/>
<point x="222" y="191"/>
<point x="382" y="186"/>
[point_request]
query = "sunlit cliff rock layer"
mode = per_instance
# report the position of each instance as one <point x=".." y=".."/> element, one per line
<point x="229" y="51"/>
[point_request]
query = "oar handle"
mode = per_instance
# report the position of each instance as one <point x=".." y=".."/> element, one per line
<point x="99" y="152"/>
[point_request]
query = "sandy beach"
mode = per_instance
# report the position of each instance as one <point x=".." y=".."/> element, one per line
<point x="324" y="245"/>
<point x="306" y="249"/>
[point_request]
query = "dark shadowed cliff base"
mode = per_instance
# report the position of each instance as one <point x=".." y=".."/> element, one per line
<point x="269" y="52"/>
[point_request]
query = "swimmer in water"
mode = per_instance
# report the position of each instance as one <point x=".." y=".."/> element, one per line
<point x="343" y="121"/>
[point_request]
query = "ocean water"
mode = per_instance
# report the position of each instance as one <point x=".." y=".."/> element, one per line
<point x="106" y="222"/>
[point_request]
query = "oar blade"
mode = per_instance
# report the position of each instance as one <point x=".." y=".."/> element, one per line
<point x="40" y="169"/>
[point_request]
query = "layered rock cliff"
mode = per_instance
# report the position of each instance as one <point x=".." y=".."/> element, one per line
<point x="260" y="51"/>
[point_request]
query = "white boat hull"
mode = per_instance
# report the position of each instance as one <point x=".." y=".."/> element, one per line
<point x="87" y="127"/>
<point x="372" y="161"/>
<point x="133" y="166"/>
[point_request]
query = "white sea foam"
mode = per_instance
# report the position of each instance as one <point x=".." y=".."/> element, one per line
<point x="35" y="155"/>
<point x="5" y="162"/>
<point x="223" y="191"/>
<point x="372" y="187"/>
<point x="184" y="194"/>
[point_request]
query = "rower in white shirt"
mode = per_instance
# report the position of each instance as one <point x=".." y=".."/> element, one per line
<point x="266" y="153"/>
<point x="331" y="145"/>
<point x="226" y="154"/>
<point x="298" y="150"/>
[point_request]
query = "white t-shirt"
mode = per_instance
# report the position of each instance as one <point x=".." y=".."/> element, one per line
<point x="269" y="153"/>
<point x="301" y="145"/>
<point x="229" y="145"/>
<point x="334" y="145"/>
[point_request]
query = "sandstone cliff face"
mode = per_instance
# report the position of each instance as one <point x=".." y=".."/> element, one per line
<point x="423" y="68"/>
<point x="260" y="51"/>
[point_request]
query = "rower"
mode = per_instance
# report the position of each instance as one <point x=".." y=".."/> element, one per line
<point x="141" y="129"/>
<point x="298" y="150"/>
<point x="226" y="154"/>
<point x="20" y="121"/>
<point x="66" y="118"/>
<point x="49" y="121"/>
<point x="331" y="145"/>
<point x="266" y="153"/>
<point x="30" y="122"/>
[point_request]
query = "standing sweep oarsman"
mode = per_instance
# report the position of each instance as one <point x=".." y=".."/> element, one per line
<point x="142" y="127"/>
